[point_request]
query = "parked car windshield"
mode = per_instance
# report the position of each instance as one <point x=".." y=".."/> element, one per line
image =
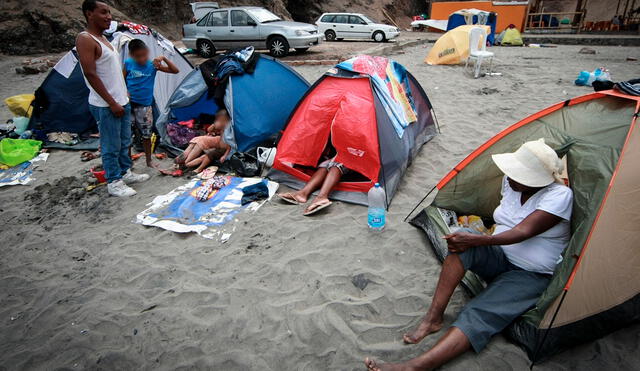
<point x="263" y="15"/>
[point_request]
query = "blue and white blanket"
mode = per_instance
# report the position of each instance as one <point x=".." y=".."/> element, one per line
<point x="180" y="211"/>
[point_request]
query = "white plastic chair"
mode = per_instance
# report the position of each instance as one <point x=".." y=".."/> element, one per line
<point x="478" y="54"/>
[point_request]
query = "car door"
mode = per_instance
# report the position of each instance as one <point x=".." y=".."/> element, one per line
<point x="244" y="30"/>
<point x="217" y="29"/>
<point x="341" y="25"/>
<point x="358" y="28"/>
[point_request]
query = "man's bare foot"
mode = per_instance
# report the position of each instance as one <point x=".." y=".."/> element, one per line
<point x="293" y="197"/>
<point x="372" y="365"/>
<point x="152" y="164"/>
<point x="425" y="328"/>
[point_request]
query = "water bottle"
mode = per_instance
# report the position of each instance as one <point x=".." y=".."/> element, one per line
<point x="377" y="207"/>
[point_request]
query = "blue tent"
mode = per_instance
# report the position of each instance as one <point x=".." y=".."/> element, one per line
<point x="65" y="99"/>
<point x="259" y="103"/>
<point x="475" y="16"/>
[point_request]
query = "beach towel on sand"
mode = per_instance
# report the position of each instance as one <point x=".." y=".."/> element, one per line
<point x="180" y="211"/>
<point x="21" y="174"/>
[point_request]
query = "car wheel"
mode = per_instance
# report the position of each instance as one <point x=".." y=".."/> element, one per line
<point x="378" y="36"/>
<point x="278" y="46"/>
<point x="301" y="50"/>
<point x="206" y="49"/>
<point x="329" y="35"/>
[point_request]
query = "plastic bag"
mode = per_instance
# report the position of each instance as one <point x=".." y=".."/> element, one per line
<point x="586" y="78"/>
<point x="17" y="151"/>
<point x="20" y="105"/>
<point x="244" y="164"/>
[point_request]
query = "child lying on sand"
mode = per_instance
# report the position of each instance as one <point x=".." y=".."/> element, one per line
<point x="205" y="149"/>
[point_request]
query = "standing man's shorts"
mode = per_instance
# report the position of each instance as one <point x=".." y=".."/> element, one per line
<point x="143" y="119"/>
<point x="510" y="292"/>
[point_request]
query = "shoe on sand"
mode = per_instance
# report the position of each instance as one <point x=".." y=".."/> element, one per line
<point x="131" y="177"/>
<point x="120" y="189"/>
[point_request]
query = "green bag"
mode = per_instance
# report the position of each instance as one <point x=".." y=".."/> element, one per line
<point x="17" y="151"/>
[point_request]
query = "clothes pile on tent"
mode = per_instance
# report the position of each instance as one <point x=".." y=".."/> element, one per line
<point x="596" y="287"/>
<point x="217" y="70"/>
<point x="375" y="115"/>
<point x="61" y="103"/>
<point x="510" y="37"/>
<point x="258" y="103"/>
<point x="474" y="17"/>
<point x="452" y="47"/>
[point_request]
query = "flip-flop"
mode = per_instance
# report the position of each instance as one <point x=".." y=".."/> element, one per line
<point x="292" y="200"/>
<point x="318" y="208"/>
<point x="208" y="173"/>
<point x="137" y="156"/>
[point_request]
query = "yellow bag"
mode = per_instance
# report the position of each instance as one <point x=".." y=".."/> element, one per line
<point x="20" y="105"/>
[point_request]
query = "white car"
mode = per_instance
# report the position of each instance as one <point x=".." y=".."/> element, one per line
<point x="338" y="26"/>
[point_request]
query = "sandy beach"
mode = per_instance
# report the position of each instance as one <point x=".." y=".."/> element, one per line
<point x="83" y="287"/>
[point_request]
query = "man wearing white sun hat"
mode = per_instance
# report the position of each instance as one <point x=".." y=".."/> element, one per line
<point x="517" y="261"/>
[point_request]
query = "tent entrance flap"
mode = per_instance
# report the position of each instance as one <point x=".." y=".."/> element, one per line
<point x="341" y="112"/>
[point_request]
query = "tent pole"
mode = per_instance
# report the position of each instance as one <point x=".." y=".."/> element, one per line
<point x="419" y="203"/>
<point x="544" y="337"/>
<point x="433" y="112"/>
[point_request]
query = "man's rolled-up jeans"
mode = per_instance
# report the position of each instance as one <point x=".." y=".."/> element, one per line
<point x="115" y="139"/>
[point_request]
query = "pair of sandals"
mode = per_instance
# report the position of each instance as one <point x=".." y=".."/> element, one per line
<point x="312" y="209"/>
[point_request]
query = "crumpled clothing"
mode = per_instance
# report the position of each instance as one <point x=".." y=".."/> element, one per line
<point x="255" y="192"/>
<point x="217" y="182"/>
<point x="188" y="123"/>
<point x="136" y="29"/>
<point x="179" y="135"/>
<point x="69" y="139"/>
<point x="631" y="87"/>
<point x="217" y="70"/>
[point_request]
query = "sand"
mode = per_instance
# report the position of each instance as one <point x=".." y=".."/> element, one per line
<point x="82" y="287"/>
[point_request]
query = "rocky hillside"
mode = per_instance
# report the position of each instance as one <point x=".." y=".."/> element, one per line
<point x="43" y="26"/>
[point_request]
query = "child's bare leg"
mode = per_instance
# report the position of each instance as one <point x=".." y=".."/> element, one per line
<point x="194" y="153"/>
<point x="146" y="144"/>
<point x="181" y="159"/>
<point x="203" y="163"/>
<point x="194" y="163"/>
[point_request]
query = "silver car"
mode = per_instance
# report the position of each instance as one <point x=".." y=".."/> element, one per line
<point x="230" y="28"/>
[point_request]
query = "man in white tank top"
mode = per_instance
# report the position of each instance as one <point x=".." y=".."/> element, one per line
<point x="108" y="98"/>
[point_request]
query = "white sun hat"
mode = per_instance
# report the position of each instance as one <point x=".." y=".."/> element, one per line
<point x="534" y="164"/>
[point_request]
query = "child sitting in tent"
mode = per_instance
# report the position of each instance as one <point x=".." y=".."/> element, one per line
<point x="205" y="149"/>
<point x="139" y="74"/>
<point x="326" y="177"/>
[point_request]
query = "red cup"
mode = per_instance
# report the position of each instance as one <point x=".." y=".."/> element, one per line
<point x="100" y="175"/>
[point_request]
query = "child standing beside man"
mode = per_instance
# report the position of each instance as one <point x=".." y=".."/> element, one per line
<point x="140" y="73"/>
<point x="108" y="100"/>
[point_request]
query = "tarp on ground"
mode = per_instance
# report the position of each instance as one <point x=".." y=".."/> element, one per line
<point x="179" y="210"/>
<point x="22" y="174"/>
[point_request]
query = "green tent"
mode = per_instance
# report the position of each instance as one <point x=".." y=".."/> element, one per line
<point x="596" y="288"/>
